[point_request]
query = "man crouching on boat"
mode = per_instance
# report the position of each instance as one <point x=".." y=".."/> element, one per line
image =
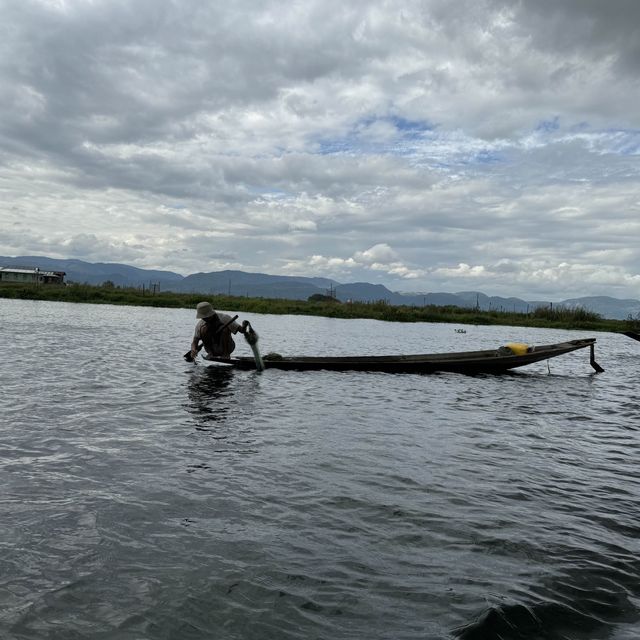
<point x="215" y="329"/>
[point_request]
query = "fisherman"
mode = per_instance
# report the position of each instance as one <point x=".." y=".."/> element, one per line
<point x="215" y="329"/>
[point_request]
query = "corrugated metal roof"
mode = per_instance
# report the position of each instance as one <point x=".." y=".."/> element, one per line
<point x="32" y="271"/>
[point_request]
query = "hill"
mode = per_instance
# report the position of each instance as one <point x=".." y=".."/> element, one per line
<point x="242" y="283"/>
<point x="94" y="273"/>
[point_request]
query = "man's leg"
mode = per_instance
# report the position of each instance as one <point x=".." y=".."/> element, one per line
<point x="227" y="344"/>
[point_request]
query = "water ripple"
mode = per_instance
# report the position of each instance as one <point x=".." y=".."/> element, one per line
<point x="147" y="498"/>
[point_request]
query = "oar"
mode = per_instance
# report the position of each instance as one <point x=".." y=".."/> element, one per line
<point x="187" y="356"/>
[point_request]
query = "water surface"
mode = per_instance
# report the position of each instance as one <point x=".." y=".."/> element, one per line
<point x="144" y="497"/>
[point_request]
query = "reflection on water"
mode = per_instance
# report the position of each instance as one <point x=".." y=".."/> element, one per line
<point x="211" y="395"/>
<point x="221" y="403"/>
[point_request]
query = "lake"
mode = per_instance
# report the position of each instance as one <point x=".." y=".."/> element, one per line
<point x="145" y="497"/>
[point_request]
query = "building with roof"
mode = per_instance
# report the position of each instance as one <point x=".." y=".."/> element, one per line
<point x="29" y="275"/>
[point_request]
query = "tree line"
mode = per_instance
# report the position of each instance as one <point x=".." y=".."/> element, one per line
<point x="558" y="317"/>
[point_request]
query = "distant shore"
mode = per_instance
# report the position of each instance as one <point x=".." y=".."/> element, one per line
<point x="542" y="317"/>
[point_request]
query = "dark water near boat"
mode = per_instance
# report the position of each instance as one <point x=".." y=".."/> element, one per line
<point x="142" y="497"/>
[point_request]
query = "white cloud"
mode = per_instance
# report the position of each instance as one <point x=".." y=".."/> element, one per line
<point x="378" y="253"/>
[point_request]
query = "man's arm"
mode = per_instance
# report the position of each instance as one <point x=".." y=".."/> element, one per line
<point x="229" y="323"/>
<point x="194" y="342"/>
<point x="194" y="347"/>
<point x="238" y="328"/>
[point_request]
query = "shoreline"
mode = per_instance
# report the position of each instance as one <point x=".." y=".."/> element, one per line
<point x="549" y="318"/>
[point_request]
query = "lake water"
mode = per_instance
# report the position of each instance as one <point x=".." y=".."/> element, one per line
<point x="145" y="497"/>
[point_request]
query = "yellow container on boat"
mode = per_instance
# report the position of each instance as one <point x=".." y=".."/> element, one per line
<point x="518" y="348"/>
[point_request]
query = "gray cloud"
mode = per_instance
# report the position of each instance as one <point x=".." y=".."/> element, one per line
<point x="363" y="140"/>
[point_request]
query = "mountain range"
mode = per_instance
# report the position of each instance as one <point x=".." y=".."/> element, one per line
<point x="242" y="283"/>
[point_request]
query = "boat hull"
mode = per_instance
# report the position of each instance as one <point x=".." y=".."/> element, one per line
<point x="468" y="362"/>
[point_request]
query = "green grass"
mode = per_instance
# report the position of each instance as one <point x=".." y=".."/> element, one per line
<point x="553" y="317"/>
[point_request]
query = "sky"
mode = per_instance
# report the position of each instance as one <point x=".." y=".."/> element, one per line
<point x="430" y="145"/>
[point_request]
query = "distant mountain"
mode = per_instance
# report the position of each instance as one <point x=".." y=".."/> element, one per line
<point x="366" y="292"/>
<point x="242" y="283"/>
<point x="497" y="303"/>
<point x="94" y="273"/>
<point x="607" y="307"/>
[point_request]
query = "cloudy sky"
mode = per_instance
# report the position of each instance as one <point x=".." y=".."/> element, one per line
<point x="429" y="145"/>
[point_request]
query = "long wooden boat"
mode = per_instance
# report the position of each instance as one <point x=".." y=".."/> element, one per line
<point x="469" y="362"/>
